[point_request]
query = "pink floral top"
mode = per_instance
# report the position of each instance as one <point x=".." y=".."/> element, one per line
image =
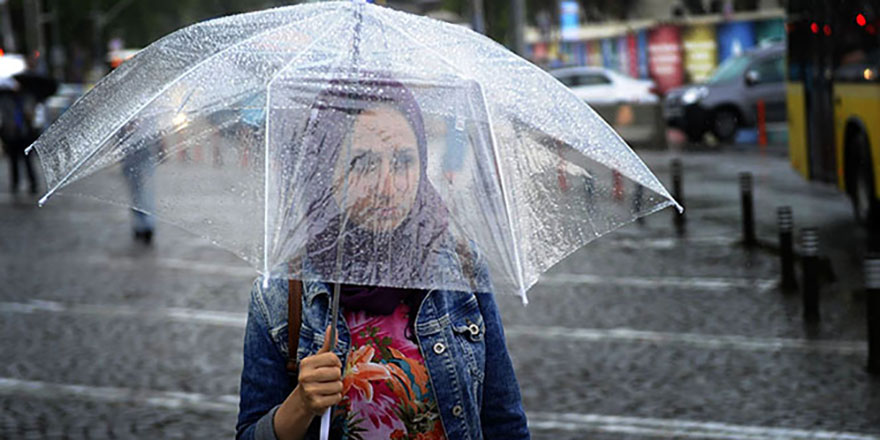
<point x="386" y="390"/>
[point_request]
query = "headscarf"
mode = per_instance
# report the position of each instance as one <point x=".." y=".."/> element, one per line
<point x="401" y="258"/>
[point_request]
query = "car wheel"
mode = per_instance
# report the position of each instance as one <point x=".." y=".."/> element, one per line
<point x="724" y="124"/>
<point x="694" y="135"/>
<point x="864" y="200"/>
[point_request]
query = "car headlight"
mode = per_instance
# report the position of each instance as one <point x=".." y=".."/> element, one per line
<point x="694" y="94"/>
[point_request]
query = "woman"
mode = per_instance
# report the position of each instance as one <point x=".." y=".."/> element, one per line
<point x="427" y="364"/>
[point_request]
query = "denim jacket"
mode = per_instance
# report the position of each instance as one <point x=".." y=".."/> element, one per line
<point x="459" y="334"/>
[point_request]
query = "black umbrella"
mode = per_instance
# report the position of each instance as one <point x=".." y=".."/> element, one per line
<point x="40" y="86"/>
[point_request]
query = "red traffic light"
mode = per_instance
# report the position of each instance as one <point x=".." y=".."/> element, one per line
<point x="814" y="27"/>
<point x="860" y="19"/>
<point x="827" y="30"/>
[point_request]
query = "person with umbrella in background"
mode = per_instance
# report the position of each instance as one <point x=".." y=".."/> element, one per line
<point x="368" y="138"/>
<point x="17" y="130"/>
<point x="22" y="118"/>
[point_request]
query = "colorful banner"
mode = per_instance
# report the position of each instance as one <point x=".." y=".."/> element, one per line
<point x="664" y="57"/>
<point x="735" y="38"/>
<point x="579" y="51"/>
<point x="594" y="54"/>
<point x="609" y="54"/>
<point x="623" y="60"/>
<point x="539" y="51"/>
<point x="700" y="52"/>
<point x="643" y="53"/>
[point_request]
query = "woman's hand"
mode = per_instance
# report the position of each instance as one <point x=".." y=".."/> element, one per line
<point x="320" y="379"/>
<point x="319" y="386"/>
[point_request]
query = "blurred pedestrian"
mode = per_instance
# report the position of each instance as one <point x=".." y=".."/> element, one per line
<point x="406" y="375"/>
<point x="18" y="111"/>
<point x="138" y="167"/>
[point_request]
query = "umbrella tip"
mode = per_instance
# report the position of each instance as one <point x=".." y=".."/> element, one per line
<point x="28" y="150"/>
<point x="265" y="282"/>
<point x="42" y="200"/>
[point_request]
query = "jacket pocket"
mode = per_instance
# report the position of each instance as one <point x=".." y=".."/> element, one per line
<point x="469" y="331"/>
<point x="306" y="341"/>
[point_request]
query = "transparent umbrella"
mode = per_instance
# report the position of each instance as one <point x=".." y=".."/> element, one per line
<point x="350" y="143"/>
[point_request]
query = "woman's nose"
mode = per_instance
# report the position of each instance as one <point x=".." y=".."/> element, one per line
<point x="386" y="186"/>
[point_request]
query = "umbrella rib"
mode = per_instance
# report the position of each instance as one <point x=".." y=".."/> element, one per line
<point x="88" y="157"/>
<point x="504" y="192"/>
<point x="272" y="80"/>
<point x="506" y="199"/>
<point x="440" y="56"/>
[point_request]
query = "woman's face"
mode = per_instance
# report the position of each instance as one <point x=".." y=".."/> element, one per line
<point x="377" y="179"/>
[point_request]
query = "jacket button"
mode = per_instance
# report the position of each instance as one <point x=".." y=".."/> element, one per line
<point x="474" y="329"/>
<point x="439" y="348"/>
<point x="456" y="410"/>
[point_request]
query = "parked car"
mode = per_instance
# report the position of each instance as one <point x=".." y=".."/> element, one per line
<point x="597" y="85"/>
<point x="66" y="95"/>
<point x="11" y="64"/>
<point x="728" y="101"/>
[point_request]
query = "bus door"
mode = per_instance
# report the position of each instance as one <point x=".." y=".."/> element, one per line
<point x="809" y="89"/>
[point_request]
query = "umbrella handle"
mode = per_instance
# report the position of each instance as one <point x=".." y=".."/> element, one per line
<point x="325" y="424"/>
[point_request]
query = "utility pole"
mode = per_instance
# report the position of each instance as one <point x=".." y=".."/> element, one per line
<point x="8" y="34"/>
<point x="519" y="25"/>
<point x="36" y="44"/>
<point x="57" y="57"/>
<point x="100" y="22"/>
<point x="478" y="22"/>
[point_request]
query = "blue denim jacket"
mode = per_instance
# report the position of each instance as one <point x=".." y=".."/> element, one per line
<point x="459" y="334"/>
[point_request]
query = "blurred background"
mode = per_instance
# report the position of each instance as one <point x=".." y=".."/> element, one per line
<point x="753" y="315"/>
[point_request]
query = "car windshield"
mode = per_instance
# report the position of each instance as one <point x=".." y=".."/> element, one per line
<point x="729" y="69"/>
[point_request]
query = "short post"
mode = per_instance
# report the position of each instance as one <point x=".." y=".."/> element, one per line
<point x="617" y="182"/>
<point x="678" y="193"/>
<point x="762" y="124"/>
<point x="810" y="281"/>
<point x="872" y="300"/>
<point x="748" y="211"/>
<point x="786" y="247"/>
<point x="638" y="195"/>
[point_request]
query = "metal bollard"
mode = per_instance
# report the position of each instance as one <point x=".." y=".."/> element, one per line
<point x="810" y="262"/>
<point x="638" y="196"/>
<point x="748" y="209"/>
<point x="617" y="183"/>
<point x="872" y="294"/>
<point x="786" y="247"/>
<point x="678" y="193"/>
<point x="762" y="124"/>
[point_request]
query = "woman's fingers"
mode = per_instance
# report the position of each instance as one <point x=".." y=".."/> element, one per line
<point x="326" y="347"/>
<point x="323" y="389"/>
<point x="323" y="374"/>
<point x="320" y="378"/>
<point x="321" y="360"/>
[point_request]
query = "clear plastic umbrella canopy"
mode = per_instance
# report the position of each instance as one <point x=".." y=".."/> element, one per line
<point x="347" y="142"/>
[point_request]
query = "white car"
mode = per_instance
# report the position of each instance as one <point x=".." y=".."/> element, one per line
<point x="597" y="85"/>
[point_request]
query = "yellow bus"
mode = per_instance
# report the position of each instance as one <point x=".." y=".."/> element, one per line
<point x="833" y="97"/>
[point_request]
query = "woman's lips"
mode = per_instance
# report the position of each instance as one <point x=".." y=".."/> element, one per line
<point x="386" y="212"/>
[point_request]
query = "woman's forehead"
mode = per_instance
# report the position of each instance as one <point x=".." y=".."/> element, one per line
<point x="383" y="122"/>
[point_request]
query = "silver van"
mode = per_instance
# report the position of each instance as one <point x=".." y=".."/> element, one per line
<point x="729" y="100"/>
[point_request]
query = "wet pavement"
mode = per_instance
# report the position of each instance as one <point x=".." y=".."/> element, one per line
<point x="641" y="335"/>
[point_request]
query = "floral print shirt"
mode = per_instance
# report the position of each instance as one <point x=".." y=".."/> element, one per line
<point x="386" y="390"/>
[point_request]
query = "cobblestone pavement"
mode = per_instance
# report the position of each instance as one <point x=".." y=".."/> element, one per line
<point x="640" y="335"/>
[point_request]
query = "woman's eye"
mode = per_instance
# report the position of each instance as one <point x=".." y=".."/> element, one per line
<point x="363" y="164"/>
<point x="402" y="163"/>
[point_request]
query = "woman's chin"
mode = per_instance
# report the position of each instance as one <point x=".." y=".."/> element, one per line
<point x="381" y="225"/>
